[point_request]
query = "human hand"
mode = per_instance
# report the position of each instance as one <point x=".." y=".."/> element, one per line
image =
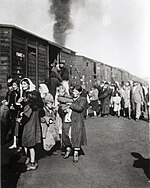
<point x="20" y="99"/>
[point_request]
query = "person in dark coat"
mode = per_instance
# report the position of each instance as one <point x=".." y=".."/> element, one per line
<point x="85" y="94"/>
<point x="53" y="82"/>
<point x="105" y="97"/>
<point x="30" y="121"/>
<point x="78" y="132"/>
<point x="14" y="108"/>
<point x="5" y="115"/>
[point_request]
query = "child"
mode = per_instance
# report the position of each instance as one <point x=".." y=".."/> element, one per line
<point x="117" y="104"/>
<point x="49" y="129"/>
<point x="65" y="101"/>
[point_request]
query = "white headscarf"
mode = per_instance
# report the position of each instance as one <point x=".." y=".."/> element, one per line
<point x="44" y="88"/>
<point x="31" y="86"/>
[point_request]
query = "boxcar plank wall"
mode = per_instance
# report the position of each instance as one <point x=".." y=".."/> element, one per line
<point x="23" y="54"/>
<point x="18" y="57"/>
<point x="42" y="62"/>
<point x="5" y="47"/>
<point x="69" y="58"/>
<point x="83" y="70"/>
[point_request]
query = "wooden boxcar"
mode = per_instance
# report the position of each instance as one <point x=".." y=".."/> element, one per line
<point x="23" y="54"/>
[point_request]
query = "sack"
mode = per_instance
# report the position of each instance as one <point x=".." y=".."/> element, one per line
<point x="44" y="129"/>
<point x="49" y="141"/>
<point x="4" y="111"/>
<point x="54" y="130"/>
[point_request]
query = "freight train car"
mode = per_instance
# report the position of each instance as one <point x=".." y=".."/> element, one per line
<point x="87" y="71"/>
<point x="23" y="54"/>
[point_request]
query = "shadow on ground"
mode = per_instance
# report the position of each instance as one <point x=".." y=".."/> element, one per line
<point x="11" y="171"/>
<point x="142" y="162"/>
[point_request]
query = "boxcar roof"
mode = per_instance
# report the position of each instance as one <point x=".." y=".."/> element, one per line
<point x="30" y="33"/>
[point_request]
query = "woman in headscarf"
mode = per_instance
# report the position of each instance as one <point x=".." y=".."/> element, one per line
<point x="31" y="135"/>
<point x="78" y="133"/>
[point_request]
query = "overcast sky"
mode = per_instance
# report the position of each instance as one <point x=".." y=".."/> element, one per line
<point x="115" y="32"/>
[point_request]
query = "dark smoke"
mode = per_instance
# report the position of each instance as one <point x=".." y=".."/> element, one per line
<point x="61" y="11"/>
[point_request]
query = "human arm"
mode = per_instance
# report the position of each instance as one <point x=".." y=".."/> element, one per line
<point x="78" y="106"/>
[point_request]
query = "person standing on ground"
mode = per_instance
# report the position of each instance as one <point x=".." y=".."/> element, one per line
<point x="105" y="97"/>
<point x="14" y="108"/>
<point x="138" y="99"/>
<point x="30" y="121"/>
<point x="94" y="100"/>
<point x="78" y="133"/>
<point x="85" y="94"/>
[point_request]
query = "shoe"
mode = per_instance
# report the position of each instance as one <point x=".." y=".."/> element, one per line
<point x="13" y="147"/>
<point x="136" y="120"/>
<point x="55" y="153"/>
<point x="62" y="153"/>
<point x="19" y="150"/>
<point x="27" y="161"/>
<point x="75" y="157"/>
<point x="67" y="153"/>
<point x="32" y="166"/>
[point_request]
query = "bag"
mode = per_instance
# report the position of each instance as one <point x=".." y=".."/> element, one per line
<point x="4" y="112"/>
<point x="49" y="141"/>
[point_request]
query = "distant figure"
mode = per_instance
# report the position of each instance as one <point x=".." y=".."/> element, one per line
<point x="138" y="99"/>
<point x="85" y="94"/>
<point x="127" y="101"/>
<point x="94" y="100"/>
<point x="117" y="104"/>
<point x="105" y="97"/>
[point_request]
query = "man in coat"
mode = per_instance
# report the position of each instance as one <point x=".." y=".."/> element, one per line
<point x="105" y="97"/>
<point x="138" y="99"/>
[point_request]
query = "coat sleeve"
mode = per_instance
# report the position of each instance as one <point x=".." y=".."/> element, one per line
<point x="141" y="93"/>
<point x="105" y="94"/>
<point x="64" y="99"/>
<point x="79" y="106"/>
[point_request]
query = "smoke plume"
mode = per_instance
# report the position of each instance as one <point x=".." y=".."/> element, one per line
<point x="60" y="9"/>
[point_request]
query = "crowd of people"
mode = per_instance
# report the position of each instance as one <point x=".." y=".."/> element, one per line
<point x="130" y="99"/>
<point x="54" y="112"/>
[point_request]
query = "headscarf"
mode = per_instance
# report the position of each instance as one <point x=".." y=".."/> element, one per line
<point x="49" y="98"/>
<point x="31" y="86"/>
<point x="44" y="89"/>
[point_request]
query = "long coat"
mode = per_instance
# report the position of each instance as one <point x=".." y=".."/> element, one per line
<point x="52" y="83"/>
<point x="32" y="131"/>
<point x="31" y="120"/>
<point x="137" y="94"/>
<point x="78" y="132"/>
<point x="105" y="100"/>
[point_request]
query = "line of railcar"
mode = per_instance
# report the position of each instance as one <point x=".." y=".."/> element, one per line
<point x="24" y="54"/>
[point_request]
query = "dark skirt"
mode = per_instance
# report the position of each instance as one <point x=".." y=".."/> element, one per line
<point x="32" y="131"/>
<point x="95" y="105"/>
